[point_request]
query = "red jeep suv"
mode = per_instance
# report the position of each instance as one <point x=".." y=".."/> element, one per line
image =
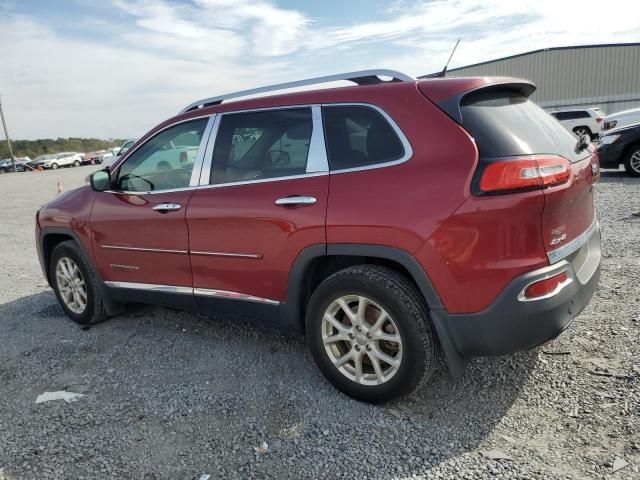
<point x="390" y="221"/>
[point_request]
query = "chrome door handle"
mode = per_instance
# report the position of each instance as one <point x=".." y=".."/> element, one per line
<point x="295" y="200"/>
<point x="167" y="207"/>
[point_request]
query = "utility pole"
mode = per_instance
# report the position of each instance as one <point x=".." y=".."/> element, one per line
<point x="6" y="134"/>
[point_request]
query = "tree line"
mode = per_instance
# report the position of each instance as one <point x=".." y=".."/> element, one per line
<point x="33" y="148"/>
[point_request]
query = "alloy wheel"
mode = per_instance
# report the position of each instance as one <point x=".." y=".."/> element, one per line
<point x="634" y="161"/>
<point x="71" y="285"/>
<point x="361" y="340"/>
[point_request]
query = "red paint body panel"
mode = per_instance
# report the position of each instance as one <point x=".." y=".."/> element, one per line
<point x="484" y="245"/>
<point x="402" y="205"/>
<point x="244" y="219"/>
<point x="438" y="89"/>
<point x="569" y="208"/>
<point x="71" y="210"/>
<point x="129" y="221"/>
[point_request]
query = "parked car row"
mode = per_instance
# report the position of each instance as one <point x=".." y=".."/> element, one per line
<point x="592" y="121"/>
<point x="6" y="166"/>
<point x="56" y="160"/>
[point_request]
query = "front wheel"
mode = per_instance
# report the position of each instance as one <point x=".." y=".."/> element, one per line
<point x="54" y="166"/>
<point x="75" y="284"/>
<point x="632" y="161"/>
<point x="369" y="331"/>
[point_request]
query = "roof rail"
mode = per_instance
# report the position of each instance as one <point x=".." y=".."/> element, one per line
<point x="363" y="77"/>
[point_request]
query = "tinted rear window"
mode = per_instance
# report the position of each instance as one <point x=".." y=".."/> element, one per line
<point x="506" y="123"/>
<point x="359" y="136"/>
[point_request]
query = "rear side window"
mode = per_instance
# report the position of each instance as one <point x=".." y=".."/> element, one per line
<point x="267" y="144"/>
<point x="359" y="136"/>
<point x="506" y="123"/>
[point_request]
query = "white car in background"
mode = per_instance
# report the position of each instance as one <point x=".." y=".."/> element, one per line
<point x="108" y="161"/>
<point x="57" y="160"/>
<point x="621" y="119"/>
<point x="581" y="121"/>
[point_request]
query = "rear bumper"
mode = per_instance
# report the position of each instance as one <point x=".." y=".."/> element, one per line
<point x="509" y="325"/>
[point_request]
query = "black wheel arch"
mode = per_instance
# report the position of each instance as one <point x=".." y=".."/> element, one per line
<point x="49" y="238"/>
<point x="302" y="274"/>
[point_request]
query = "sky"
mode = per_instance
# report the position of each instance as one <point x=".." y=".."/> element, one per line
<point x="116" y="68"/>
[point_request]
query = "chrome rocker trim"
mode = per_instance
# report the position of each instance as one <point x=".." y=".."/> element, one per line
<point x="202" y="292"/>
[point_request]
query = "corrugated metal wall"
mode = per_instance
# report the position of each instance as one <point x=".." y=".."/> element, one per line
<point x="604" y="76"/>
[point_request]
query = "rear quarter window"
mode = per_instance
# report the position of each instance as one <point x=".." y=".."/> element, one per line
<point x="359" y="136"/>
<point x="506" y="123"/>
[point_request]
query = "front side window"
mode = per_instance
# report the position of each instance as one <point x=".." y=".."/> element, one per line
<point x="257" y="145"/>
<point x="165" y="162"/>
<point x="359" y="136"/>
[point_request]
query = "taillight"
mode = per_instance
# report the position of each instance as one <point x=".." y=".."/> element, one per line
<point x="546" y="287"/>
<point x="599" y="119"/>
<point x="508" y="175"/>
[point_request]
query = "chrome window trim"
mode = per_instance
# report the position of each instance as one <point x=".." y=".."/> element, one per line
<point x="200" y="156"/>
<point x="317" y="160"/>
<point x="150" y="287"/>
<point x="263" y="180"/>
<point x="140" y="249"/>
<point x="205" y="174"/>
<point x="256" y="256"/>
<point x="319" y="163"/>
<point x="408" y="149"/>
<point x="204" y="292"/>
<point x="115" y="167"/>
<point x="317" y="155"/>
<point x="574" y="245"/>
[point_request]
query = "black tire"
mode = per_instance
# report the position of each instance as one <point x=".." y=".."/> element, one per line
<point x="94" y="311"/>
<point x="54" y="166"/>
<point x="77" y="163"/>
<point x="586" y="130"/>
<point x="402" y="301"/>
<point x="632" y="161"/>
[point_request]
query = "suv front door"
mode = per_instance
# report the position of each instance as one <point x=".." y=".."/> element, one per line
<point x="140" y="237"/>
<point x="262" y="200"/>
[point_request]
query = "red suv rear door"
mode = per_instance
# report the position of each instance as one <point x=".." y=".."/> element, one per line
<point x="262" y="200"/>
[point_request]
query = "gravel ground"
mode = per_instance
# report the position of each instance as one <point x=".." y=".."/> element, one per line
<point x="169" y="394"/>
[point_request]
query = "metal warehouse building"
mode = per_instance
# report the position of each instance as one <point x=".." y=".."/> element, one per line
<point x="605" y="76"/>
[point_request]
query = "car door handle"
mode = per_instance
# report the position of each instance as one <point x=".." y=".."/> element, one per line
<point x="167" y="207"/>
<point x="296" y="200"/>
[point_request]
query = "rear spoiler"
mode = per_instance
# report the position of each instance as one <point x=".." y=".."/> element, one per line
<point x="449" y="102"/>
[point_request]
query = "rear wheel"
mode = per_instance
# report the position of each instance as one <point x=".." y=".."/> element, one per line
<point x="579" y="131"/>
<point x="75" y="284"/>
<point x="632" y="161"/>
<point x="369" y="331"/>
<point x="76" y="163"/>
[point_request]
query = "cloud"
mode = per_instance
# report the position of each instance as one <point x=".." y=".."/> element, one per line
<point x="160" y="56"/>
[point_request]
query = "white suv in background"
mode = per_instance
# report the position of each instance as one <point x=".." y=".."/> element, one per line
<point x="621" y="119"/>
<point x="583" y="121"/>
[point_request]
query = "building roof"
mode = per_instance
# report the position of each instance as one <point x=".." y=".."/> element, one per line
<point x="573" y="47"/>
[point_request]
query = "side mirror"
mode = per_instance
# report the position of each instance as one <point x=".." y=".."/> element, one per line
<point x="100" y="181"/>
